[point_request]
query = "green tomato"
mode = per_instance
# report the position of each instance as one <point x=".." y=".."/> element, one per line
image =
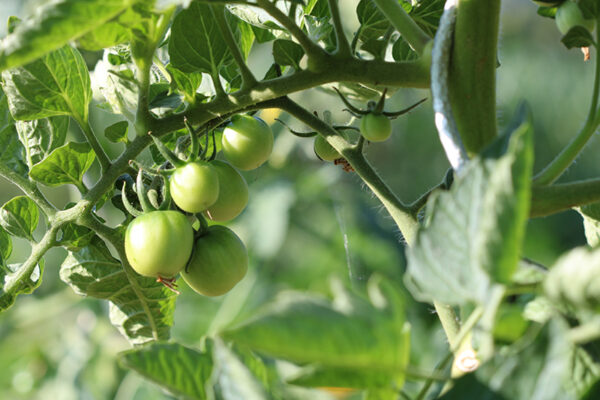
<point x="219" y="262"/>
<point x="324" y="150"/>
<point x="247" y="142"/>
<point x="195" y="186"/>
<point x="159" y="243"/>
<point x="569" y="15"/>
<point x="233" y="193"/>
<point x="375" y="127"/>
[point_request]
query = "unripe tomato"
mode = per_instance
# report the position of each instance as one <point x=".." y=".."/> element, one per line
<point x="375" y="127"/>
<point x="324" y="150"/>
<point x="247" y="142"/>
<point x="219" y="262"/>
<point x="569" y="15"/>
<point x="195" y="186"/>
<point x="159" y="243"/>
<point x="233" y="193"/>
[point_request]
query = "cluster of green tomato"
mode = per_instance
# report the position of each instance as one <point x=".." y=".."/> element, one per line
<point x="161" y="243"/>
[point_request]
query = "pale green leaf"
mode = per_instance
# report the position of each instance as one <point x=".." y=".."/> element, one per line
<point x="13" y="153"/>
<point x="591" y="223"/>
<point x="56" y="84"/>
<point x="141" y="308"/>
<point x="19" y="217"/>
<point x="182" y="371"/>
<point x="5" y="247"/>
<point x="55" y="24"/>
<point x="473" y="233"/>
<point x="65" y="165"/>
<point x="18" y="285"/>
<point x="41" y="136"/>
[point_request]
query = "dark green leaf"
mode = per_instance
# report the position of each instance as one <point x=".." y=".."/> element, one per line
<point x="589" y="8"/>
<point x="575" y="279"/>
<point x="262" y="35"/>
<point x="317" y="8"/>
<point x="401" y="51"/>
<point x="426" y="13"/>
<point x="318" y="28"/>
<point x="182" y="371"/>
<point x="242" y="33"/>
<point x="54" y="25"/>
<point x="286" y="52"/>
<point x="473" y="232"/>
<point x="469" y="387"/>
<point x="56" y="84"/>
<point x="376" y="47"/>
<point x="591" y="223"/>
<point x="23" y="285"/>
<point x="373" y="24"/>
<point x="5" y="247"/>
<point x="359" y="378"/>
<point x="41" y="136"/>
<point x="578" y="36"/>
<point x="548" y="12"/>
<point x="13" y="153"/>
<point x="75" y="237"/>
<point x="141" y="308"/>
<point x="67" y="164"/>
<point x="185" y="84"/>
<point x="19" y="217"/>
<point x="196" y="44"/>
<point x="117" y="132"/>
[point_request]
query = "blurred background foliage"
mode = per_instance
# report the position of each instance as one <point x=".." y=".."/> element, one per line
<point x="308" y="223"/>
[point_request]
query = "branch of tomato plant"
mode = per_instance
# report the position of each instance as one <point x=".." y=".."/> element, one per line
<point x="312" y="50"/>
<point x="342" y="45"/>
<point x="547" y="200"/>
<point x="400" y="213"/>
<point x="248" y="78"/>
<point x="88" y="132"/>
<point x="115" y="238"/>
<point x="29" y="188"/>
<point x="408" y="28"/>
<point x="555" y="169"/>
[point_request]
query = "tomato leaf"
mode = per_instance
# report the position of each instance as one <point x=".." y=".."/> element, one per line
<point x="591" y="223"/>
<point x="5" y="247"/>
<point x="469" y="387"/>
<point x="117" y="132"/>
<point x="56" y="84"/>
<point x="54" y="25"/>
<point x="12" y="155"/>
<point x="19" y="217"/>
<point x="23" y="286"/>
<point x="185" y="84"/>
<point x="65" y="165"/>
<point x="287" y="52"/>
<point x="41" y="136"/>
<point x="578" y="36"/>
<point x="473" y="233"/>
<point x="141" y="308"/>
<point x="184" y="372"/>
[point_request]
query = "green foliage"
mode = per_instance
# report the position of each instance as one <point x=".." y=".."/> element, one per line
<point x="286" y="52"/>
<point x="19" y="217"/>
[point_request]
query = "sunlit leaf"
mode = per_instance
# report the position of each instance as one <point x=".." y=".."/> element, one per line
<point x="19" y="217"/>
<point x="65" y="165"/>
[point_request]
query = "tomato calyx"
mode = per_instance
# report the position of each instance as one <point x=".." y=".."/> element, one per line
<point x="169" y="283"/>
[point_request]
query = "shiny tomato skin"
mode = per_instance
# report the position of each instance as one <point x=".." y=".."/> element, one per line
<point x="375" y="127"/>
<point x="195" y="186"/>
<point x="159" y="243"/>
<point x="219" y="262"/>
<point x="247" y="142"/>
<point x="569" y="15"/>
<point x="233" y="193"/>
<point x="324" y="150"/>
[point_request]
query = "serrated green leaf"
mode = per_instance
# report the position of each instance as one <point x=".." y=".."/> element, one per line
<point x="13" y="152"/>
<point x="591" y="223"/>
<point x="54" y="25"/>
<point x="473" y="233"/>
<point x="196" y="44"/>
<point x="578" y="36"/>
<point x="185" y="84"/>
<point x="23" y="286"/>
<point x="41" y="136"/>
<point x="116" y="79"/>
<point x="19" y="217"/>
<point x="75" y="237"/>
<point x="285" y="329"/>
<point x="318" y="28"/>
<point x="5" y="247"/>
<point x="469" y="387"/>
<point x="141" y="308"/>
<point x="65" y="165"/>
<point x="182" y="371"/>
<point x="426" y="13"/>
<point x="575" y="279"/>
<point x="373" y="24"/>
<point x="287" y="52"/>
<point x="56" y="84"/>
<point x="117" y="132"/>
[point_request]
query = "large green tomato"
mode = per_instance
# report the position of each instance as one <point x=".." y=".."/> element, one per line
<point x="247" y="142"/>
<point x="195" y="186"/>
<point x="375" y="127"/>
<point x="159" y="243"/>
<point x="324" y="150"/>
<point x="233" y="193"/>
<point x="219" y="262"/>
<point x="569" y="15"/>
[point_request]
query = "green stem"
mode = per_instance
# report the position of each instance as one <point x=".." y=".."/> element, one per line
<point x="562" y="161"/>
<point x="91" y="139"/>
<point x="343" y="47"/>
<point x="473" y="72"/>
<point x="408" y="28"/>
<point x="142" y="115"/>
<point x="547" y="200"/>
<point x="405" y="221"/>
<point x="162" y="68"/>
<point x="248" y="78"/>
<point x="29" y="188"/>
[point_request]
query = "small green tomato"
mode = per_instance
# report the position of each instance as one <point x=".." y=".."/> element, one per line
<point x="324" y="150"/>
<point x="247" y="142"/>
<point x="233" y="193"/>
<point x="569" y="15"/>
<point x="375" y="127"/>
<point x="195" y="186"/>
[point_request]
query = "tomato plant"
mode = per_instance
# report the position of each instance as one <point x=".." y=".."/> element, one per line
<point x="335" y="292"/>
<point x="219" y="262"/>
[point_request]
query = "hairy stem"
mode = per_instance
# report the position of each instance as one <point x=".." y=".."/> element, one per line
<point x="547" y="200"/>
<point x="408" y="28"/>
